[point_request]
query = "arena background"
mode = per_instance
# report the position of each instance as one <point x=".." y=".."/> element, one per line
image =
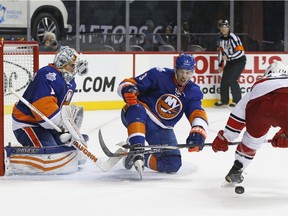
<point x="98" y="89"/>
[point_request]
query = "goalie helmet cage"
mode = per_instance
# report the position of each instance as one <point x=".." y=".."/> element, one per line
<point x="18" y="61"/>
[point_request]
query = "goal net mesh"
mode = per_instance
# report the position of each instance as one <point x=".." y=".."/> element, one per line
<point x="19" y="62"/>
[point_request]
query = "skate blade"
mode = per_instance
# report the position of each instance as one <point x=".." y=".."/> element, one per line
<point x="139" y="166"/>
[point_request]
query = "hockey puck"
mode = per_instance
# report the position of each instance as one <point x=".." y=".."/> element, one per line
<point x="239" y="190"/>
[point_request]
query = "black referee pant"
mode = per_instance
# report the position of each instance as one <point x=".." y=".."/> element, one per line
<point x="231" y="74"/>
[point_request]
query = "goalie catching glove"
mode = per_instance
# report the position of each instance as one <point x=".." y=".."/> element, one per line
<point x="77" y="114"/>
<point x="129" y="94"/>
<point x="72" y="132"/>
<point x="196" y="137"/>
<point x="280" y="139"/>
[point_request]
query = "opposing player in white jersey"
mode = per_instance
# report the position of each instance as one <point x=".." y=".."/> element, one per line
<point x="264" y="107"/>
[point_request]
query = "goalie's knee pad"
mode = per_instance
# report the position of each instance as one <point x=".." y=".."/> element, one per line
<point x="165" y="163"/>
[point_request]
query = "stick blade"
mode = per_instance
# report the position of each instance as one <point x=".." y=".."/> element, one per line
<point x="103" y="145"/>
<point x="112" y="161"/>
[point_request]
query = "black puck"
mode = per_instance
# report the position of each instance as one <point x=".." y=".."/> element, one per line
<point x="239" y="190"/>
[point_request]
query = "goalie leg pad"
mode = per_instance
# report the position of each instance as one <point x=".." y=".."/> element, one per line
<point x="40" y="161"/>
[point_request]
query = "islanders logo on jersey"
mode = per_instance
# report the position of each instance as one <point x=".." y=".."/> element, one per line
<point x="168" y="106"/>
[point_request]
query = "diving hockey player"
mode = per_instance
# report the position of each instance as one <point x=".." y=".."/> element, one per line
<point x="264" y="107"/>
<point x="155" y="102"/>
<point x="50" y="91"/>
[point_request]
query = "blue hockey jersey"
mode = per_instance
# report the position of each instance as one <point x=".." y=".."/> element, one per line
<point x="165" y="101"/>
<point x="47" y="91"/>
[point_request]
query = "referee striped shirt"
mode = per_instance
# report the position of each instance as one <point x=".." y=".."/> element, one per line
<point x="231" y="46"/>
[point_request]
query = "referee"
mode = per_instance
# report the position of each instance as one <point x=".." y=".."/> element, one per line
<point x="231" y="50"/>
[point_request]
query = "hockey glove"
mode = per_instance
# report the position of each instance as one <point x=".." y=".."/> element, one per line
<point x="66" y="138"/>
<point x="280" y="139"/>
<point x="196" y="137"/>
<point x="220" y="143"/>
<point x="129" y="94"/>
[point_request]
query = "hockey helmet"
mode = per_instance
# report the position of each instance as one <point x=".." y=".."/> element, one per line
<point x="66" y="55"/>
<point x="276" y="69"/>
<point x="223" y="23"/>
<point x="186" y="62"/>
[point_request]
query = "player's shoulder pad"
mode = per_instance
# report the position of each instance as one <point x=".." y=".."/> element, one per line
<point x="194" y="89"/>
<point x="159" y="69"/>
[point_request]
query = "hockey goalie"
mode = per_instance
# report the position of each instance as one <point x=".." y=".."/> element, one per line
<point x="45" y="150"/>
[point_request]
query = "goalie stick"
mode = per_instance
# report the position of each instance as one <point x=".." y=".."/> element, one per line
<point x="105" y="166"/>
<point x="144" y="149"/>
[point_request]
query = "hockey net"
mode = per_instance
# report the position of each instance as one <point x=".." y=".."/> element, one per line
<point x="19" y="60"/>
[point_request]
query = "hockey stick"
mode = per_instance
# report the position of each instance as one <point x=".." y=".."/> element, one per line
<point x="165" y="146"/>
<point x="105" y="166"/>
<point x="144" y="149"/>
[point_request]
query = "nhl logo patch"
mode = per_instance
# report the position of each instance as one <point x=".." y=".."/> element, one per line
<point x="51" y="76"/>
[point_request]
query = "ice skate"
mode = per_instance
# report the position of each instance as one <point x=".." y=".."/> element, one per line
<point x="136" y="160"/>
<point x="139" y="164"/>
<point x="128" y="162"/>
<point x="235" y="174"/>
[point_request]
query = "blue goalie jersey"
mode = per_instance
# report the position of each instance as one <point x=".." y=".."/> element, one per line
<point x="47" y="92"/>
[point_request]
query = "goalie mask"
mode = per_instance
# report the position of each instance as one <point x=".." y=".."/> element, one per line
<point x="66" y="60"/>
<point x="276" y="69"/>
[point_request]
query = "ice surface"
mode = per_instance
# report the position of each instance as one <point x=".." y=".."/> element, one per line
<point x="195" y="190"/>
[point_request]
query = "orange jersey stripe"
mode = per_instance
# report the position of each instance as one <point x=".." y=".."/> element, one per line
<point x="22" y="117"/>
<point x="136" y="127"/>
<point x="46" y="105"/>
<point x="198" y="114"/>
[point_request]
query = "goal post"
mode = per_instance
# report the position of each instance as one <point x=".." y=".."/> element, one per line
<point x="18" y="62"/>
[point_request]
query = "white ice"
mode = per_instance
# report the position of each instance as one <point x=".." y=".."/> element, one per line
<point x="195" y="190"/>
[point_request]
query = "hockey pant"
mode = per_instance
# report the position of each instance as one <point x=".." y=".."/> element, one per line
<point x="270" y="110"/>
<point x="39" y="137"/>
